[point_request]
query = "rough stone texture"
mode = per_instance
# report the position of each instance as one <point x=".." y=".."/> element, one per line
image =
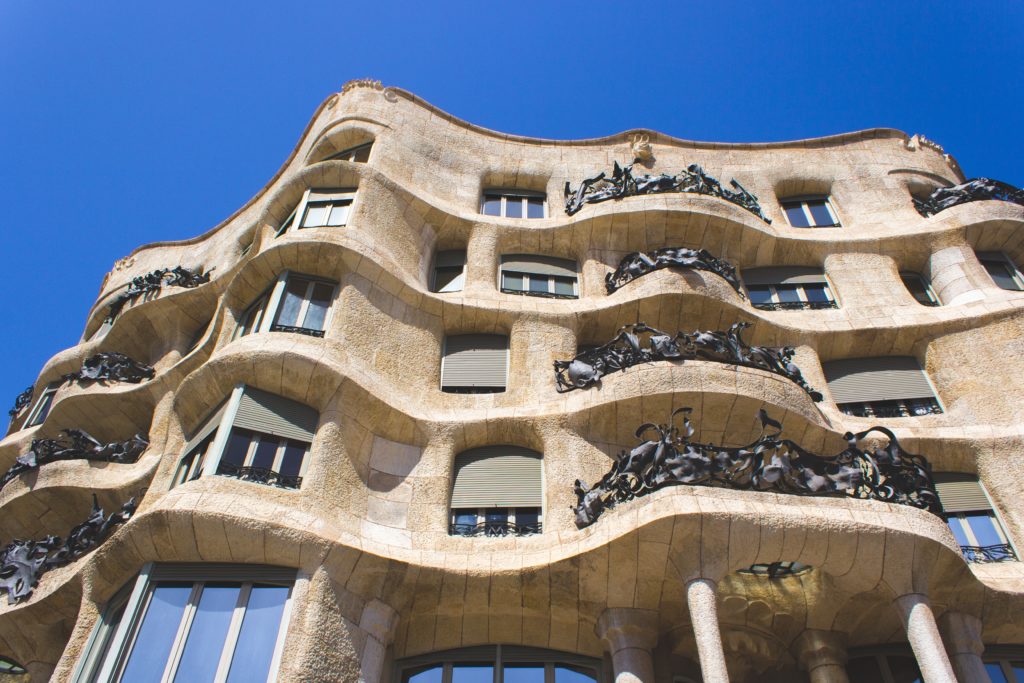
<point x="381" y="579"/>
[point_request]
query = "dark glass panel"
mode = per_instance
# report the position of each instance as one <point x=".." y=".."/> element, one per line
<point x="266" y="451"/>
<point x="539" y="284"/>
<point x="815" y="293"/>
<point x="759" y="295"/>
<point x="565" y="286"/>
<point x="319" y="302"/>
<point x="787" y="293"/>
<point x="291" y="462"/>
<point x="258" y="636"/>
<point x="864" y="670"/>
<point x="535" y="208"/>
<point x="904" y="669"/>
<point x="156" y="635"/>
<point x="513" y="281"/>
<point x="445" y="277"/>
<point x="238" y="446"/>
<point x="795" y="214"/>
<point x="492" y="205"/>
<point x="206" y="636"/>
<point x="820" y="213"/>
<point x="513" y="207"/>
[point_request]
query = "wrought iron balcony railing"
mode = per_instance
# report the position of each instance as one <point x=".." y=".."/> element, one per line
<point x="298" y="330"/>
<point x="797" y="305"/>
<point x="896" y="408"/>
<point x="975" y="554"/>
<point x="259" y="475"/>
<point x="545" y="295"/>
<point x="495" y="529"/>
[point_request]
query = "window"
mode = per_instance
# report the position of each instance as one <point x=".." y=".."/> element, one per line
<point x="254" y="436"/>
<point x="788" y="289"/>
<point x="474" y="364"/>
<point x="972" y="519"/>
<point x="449" y="271"/>
<point x="497" y="491"/>
<point x="1006" y="666"/>
<point x="302" y="304"/>
<point x="898" y="667"/>
<point x="43" y="405"/>
<point x="359" y="154"/>
<point x="500" y="664"/>
<point x="188" y="622"/>
<point x="919" y="289"/>
<point x="894" y="386"/>
<point x="513" y="203"/>
<point x="321" y="209"/>
<point x="9" y="667"/>
<point x="1002" y="270"/>
<point x="539" y="276"/>
<point x="810" y="212"/>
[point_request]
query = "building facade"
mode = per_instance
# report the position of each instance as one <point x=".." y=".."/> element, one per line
<point x="446" y="405"/>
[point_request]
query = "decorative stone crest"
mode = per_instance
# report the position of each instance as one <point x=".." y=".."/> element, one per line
<point x="22" y="563"/>
<point x="75" y="444"/>
<point x="623" y="183"/>
<point x="641" y="147"/>
<point x="370" y="83"/>
<point x="641" y="263"/>
<point x="22" y="401"/>
<point x="146" y="285"/>
<point x="111" y="366"/>
<point x="770" y="463"/>
<point x="974" y="190"/>
<point x="638" y="343"/>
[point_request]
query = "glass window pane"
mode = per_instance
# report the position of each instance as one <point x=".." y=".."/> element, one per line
<point x="904" y="669"/>
<point x="291" y="461"/>
<point x="320" y="301"/>
<point x="815" y="293"/>
<point x="315" y="216"/>
<point x="523" y="673"/>
<point x="256" y="640"/>
<point x="983" y="524"/>
<point x="44" y="408"/>
<point x="535" y="208"/>
<point x="265" y="453"/>
<point x="431" y="675"/>
<point x="1018" y="670"/>
<point x="206" y="636"/>
<point x="472" y="673"/>
<point x="527" y="518"/>
<point x="995" y="672"/>
<point x="513" y="281"/>
<point x="820" y="213"/>
<point x="448" y="279"/>
<point x="574" y="674"/>
<point x="238" y="446"/>
<point x="156" y="635"/>
<point x="339" y="214"/>
<point x="1001" y="274"/>
<point x="492" y="205"/>
<point x="291" y="302"/>
<point x="496" y="520"/>
<point x="795" y="215"/>
<point x="565" y="286"/>
<point x="252" y="318"/>
<point x="539" y="283"/>
<point x="864" y="670"/>
<point x="787" y="293"/>
<point x="759" y="295"/>
<point x="361" y="154"/>
<point x="957" y="527"/>
<point x="513" y="207"/>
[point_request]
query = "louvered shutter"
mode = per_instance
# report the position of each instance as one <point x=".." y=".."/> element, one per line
<point x="497" y="476"/>
<point x="960" y="493"/>
<point x="475" y="360"/>
<point x="788" y="275"/>
<point x="538" y="265"/>
<point x="858" y="380"/>
<point x="207" y="428"/>
<point x="276" y="415"/>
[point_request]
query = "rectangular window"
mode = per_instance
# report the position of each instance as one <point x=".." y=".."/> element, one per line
<point x="43" y="405"/>
<point x="889" y="386"/>
<point x="535" y="275"/>
<point x="972" y="519"/>
<point x="1002" y="270"/>
<point x="263" y="459"/>
<point x="919" y="289"/>
<point x="320" y="208"/>
<point x="449" y="271"/>
<point x="810" y="212"/>
<point x="474" y="364"/>
<point x="513" y="204"/>
<point x="788" y="289"/>
<point x="302" y="304"/>
<point x="359" y="154"/>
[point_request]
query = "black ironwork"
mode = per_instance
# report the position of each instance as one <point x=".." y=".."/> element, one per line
<point x="796" y="305"/>
<point x="75" y="444"/>
<point x="914" y="407"/>
<point x="770" y="463"/>
<point x="259" y="475"/>
<point x="504" y="528"/>
<point x="641" y="263"/>
<point x="9" y="667"/>
<point x="144" y="285"/>
<point x="638" y="343"/>
<point x="23" y="400"/>
<point x="776" y="570"/>
<point x="22" y="563"/>
<point x="544" y="295"/>
<point x="111" y="366"/>
<point x="974" y="190"/>
<point x="298" y="330"/>
<point x="1002" y="552"/>
<point x="623" y="183"/>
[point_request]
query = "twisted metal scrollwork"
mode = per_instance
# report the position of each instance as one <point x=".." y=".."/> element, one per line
<point x="974" y="190"/>
<point x="1002" y="552"/>
<point x="22" y="563"/>
<point x="641" y="263"/>
<point x="111" y="366"/>
<point x="770" y="463"/>
<point x="259" y="475"/>
<point x="495" y="529"/>
<point x="23" y="400"/>
<point x="75" y="444"/>
<point x="623" y="183"/>
<point x="638" y="343"/>
<point x="144" y="285"/>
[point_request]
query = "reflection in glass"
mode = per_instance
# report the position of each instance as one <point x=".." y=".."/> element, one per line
<point x="492" y="206"/>
<point x="155" y="636"/>
<point x="431" y="675"/>
<point x="256" y="640"/>
<point x="294" y="294"/>
<point x="820" y="213"/>
<point x="995" y="672"/>
<point x="472" y="673"/>
<point x="795" y="214"/>
<point x="523" y="673"/>
<point x="535" y="208"/>
<point x="513" y="207"/>
<point x="316" y="215"/>
<point x="574" y="674"/>
<point x="207" y="634"/>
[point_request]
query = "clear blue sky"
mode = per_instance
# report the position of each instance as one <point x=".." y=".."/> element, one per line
<point x="126" y="123"/>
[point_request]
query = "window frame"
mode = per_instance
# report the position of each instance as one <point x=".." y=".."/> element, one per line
<point x="925" y="285"/>
<point x="1000" y="257"/>
<point x="460" y="279"/>
<point x="522" y="195"/>
<point x="111" y="642"/>
<point x="475" y="389"/>
<point x="315" y="197"/>
<point x="497" y="657"/>
<point x="1004" y="656"/>
<point x="509" y="530"/>
<point x="41" y="411"/>
<point x="778" y="304"/>
<point x="968" y="531"/>
<point x="283" y="442"/>
<point x="345" y="154"/>
<point x="804" y="201"/>
<point x="271" y="300"/>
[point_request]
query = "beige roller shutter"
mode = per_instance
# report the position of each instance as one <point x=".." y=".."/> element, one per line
<point x="858" y="380"/>
<point x="497" y="476"/>
<point x="538" y="265"/>
<point x="207" y="428"/>
<point x="475" y="360"/>
<point x="960" y="492"/>
<point x="789" y="275"/>
<point x="276" y="415"/>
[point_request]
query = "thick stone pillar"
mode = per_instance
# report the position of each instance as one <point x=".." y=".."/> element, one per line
<point x="701" y="600"/>
<point x="962" y="635"/>
<point x="822" y="654"/>
<point x="923" y="634"/>
<point x="378" y="621"/>
<point x="956" y="275"/>
<point x="630" y="634"/>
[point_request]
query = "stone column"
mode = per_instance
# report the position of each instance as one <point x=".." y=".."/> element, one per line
<point x="701" y="599"/>
<point x="630" y="634"/>
<point x="956" y="276"/>
<point x="962" y="635"/>
<point x="822" y="654"/>
<point x="378" y="621"/>
<point x="923" y="634"/>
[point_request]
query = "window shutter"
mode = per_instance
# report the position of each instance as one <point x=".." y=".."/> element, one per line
<point x="450" y="258"/>
<point x="858" y="380"/>
<point x="201" y="571"/>
<point x="783" y="275"/>
<point x="475" y="360"/>
<point x="276" y="415"/>
<point x="960" y="492"/>
<point x="538" y="265"/>
<point x="207" y="428"/>
<point x="497" y="476"/>
<point x="320" y="195"/>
